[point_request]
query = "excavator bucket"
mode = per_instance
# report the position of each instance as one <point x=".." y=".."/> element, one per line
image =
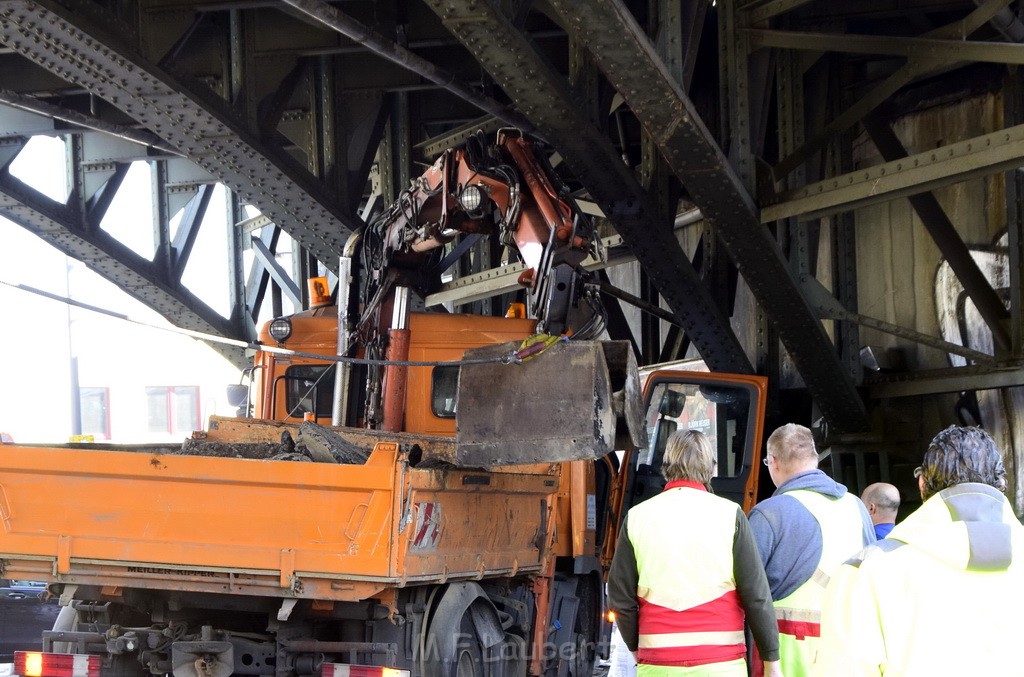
<point x="576" y="400"/>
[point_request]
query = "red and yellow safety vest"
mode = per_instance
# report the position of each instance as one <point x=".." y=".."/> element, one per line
<point x="690" y="612"/>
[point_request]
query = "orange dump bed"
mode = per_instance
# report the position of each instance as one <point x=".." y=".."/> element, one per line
<point x="147" y="519"/>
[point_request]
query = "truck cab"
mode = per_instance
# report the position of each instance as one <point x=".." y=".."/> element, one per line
<point x="296" y="388"/>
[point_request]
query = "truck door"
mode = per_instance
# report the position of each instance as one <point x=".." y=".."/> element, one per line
<point x="729" y="408"/>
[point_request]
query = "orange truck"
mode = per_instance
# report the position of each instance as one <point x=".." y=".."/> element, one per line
<point x="218" y="565"/>
<point x="468" y="536"/>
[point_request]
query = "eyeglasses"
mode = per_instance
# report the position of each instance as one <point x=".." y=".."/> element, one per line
<point x="765" y="460"/>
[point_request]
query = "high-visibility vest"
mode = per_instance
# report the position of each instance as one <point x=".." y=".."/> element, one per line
<point x="941" y="596"/>
<point x="799" y="613"/>
<point x="689" y="610"/>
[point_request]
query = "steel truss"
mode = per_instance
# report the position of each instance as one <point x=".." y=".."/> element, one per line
<point x="315" y="115"/>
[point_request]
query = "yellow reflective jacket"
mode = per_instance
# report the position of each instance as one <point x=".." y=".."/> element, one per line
<point x="799" y="613"/>
<point x="941" y="596"/>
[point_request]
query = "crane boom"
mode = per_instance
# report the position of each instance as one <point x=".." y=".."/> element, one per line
<point x="504" y="188"/>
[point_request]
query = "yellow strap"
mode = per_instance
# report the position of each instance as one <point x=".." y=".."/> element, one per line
<point x="532" y="346"/>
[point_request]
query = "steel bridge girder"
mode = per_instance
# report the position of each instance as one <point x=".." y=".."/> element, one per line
<point x="62" y="227"/>
<point x="625" y="55"/>
<point x="543" y="96"/>
<point x="60" y="38"/>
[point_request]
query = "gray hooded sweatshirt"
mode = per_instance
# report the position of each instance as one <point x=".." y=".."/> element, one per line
<point x="788" y="536"/>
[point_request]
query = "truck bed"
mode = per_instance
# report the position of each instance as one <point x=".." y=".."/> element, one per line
<point x="145" y="518"/>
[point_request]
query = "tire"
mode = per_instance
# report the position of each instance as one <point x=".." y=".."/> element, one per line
<point x="462" y="623"/>
<point x="469" y="658"/>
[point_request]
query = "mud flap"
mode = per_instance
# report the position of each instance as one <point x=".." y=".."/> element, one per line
<point x="564" y="404"/>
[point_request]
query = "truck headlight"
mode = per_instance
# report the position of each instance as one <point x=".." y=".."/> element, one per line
<point x="280" y="329"/>
<point x="471" y="198"/>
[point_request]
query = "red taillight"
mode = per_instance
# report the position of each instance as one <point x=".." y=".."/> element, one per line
<point x="38" y="664"/>
<point x="344" y="670"/>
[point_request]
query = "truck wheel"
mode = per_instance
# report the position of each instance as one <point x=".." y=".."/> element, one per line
<point x="469" y="659"/>
<point x="463" y="623"/>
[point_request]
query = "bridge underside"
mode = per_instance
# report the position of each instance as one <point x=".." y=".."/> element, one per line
<point x="726" y="147"/>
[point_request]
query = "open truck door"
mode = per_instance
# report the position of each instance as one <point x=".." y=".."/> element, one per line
<point x="729" y="408"/>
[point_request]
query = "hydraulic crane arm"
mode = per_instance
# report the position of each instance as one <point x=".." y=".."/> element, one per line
<point x="504" y="189"/>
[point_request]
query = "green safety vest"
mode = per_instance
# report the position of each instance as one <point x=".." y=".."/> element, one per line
<point x="799" y="613"/>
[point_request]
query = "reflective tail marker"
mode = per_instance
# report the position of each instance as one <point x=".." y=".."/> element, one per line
<point x="37" y="664"/>
<point x="344" y="670"/>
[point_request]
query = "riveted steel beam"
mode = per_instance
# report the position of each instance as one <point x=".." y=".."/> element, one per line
<point x="914" y="174"/>
<point x="51" y="112"/>
<point x="505" y="279"/>
<point x="87" y="51"/>
<point x="98" y="202"/>
<point x="762" y="11"/>
<point x="879" y="9"/>
<point x="1013" y="113"/>
<point x="436" y="145"/>
<point x="277" y="272"/>
<point x="258" y="280"/>
<point x="10" y="146"/>
<point x="953" y="380"/>
<point x="688" y="21"/>
<point x="188" y="231"/>
<point x="625" y="55"/>
<point x="916" y="67"/>
<point x="543" y="96"/>
<point x="64" y="228"/>
<point x="941" y="50"/>
<point x="828" y="307"/>
<point x="367" y="37"/>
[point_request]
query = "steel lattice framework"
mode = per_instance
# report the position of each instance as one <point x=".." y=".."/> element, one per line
<point x="720" y="145"/>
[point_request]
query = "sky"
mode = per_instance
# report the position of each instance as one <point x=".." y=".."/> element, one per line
<point x="42" y="335"/>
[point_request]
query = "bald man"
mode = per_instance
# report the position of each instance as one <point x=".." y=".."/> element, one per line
<point x="882" y="501"/>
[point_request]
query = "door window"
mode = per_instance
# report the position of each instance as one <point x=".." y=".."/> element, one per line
<point x="722" y="410"/>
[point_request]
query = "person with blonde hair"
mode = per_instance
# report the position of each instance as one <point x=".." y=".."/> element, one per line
<point x="686" y="575"/>
<point x="804" y="532"/>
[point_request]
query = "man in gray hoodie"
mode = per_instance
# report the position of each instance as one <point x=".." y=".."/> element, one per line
<point x="804" y="532"/>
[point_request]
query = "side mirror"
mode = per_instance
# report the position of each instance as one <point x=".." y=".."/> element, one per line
<point x="672" y="403"/>
<point x="237" y="393"/>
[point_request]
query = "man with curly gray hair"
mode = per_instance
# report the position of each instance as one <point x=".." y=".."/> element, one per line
<point x="888" y="612"/>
